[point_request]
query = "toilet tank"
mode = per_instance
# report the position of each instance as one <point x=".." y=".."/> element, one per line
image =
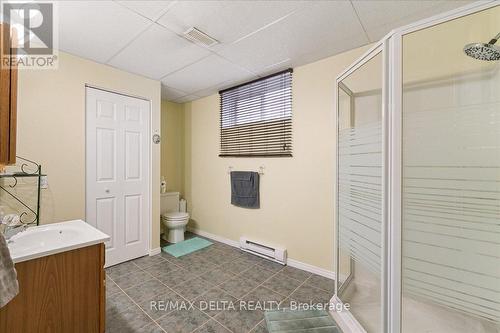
<point x="169" y="202"/>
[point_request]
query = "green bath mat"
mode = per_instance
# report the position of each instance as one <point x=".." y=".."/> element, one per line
<point x="300" y="321"/>
<point x="186" y="246"/>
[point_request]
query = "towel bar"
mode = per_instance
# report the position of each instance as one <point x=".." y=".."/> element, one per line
<point x="261" y="170"/>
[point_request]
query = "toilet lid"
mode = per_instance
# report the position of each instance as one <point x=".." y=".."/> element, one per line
<point x="177" y="215"/>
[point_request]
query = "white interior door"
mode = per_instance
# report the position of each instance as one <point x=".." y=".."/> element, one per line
<point x="117" y="168"/>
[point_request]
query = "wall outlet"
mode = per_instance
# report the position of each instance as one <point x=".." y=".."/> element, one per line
<point x="44" y="182"/>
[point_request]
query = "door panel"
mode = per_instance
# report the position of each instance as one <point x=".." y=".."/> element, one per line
<point x="106" y="154"/>
<point x="117" y="167"/>
<point x="105" y="218"/>
<point x="133" y="218"/>
<point x="133" y="157"/>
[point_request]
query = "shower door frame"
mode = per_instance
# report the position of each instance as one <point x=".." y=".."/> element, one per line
<point x="392" y="82"/>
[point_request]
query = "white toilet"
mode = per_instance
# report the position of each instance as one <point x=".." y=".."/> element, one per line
<point x="173" y="216"/>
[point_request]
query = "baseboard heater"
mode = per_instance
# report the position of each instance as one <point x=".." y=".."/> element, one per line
<point x="265" y="251"/>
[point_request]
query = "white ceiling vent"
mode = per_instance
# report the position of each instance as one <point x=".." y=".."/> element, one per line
<point x="199" y="37"/>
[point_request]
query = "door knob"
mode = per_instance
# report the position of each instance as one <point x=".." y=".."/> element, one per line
<point x="106" y="190"/>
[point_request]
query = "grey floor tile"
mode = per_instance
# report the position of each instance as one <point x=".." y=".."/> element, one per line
<point x="282" y="284"/>
<point x="131" y="319"/>
<point x="237" y="266"/>
<point x="257" y="273"/>
<point x="251" y="258"/>
<point x="147" y="261"/>
<point x="146" y="290"/>
<point x="271" y="265"/>
<point x="111" y="287"/>
<point x="217" y="276"/>
<point x="285" y="304"/>
<point x="240" y="321"/>
<point x="151" y="328"/>
<point x="193" y="288"/>
<point x="260" y="328"/>
<point x="162" y="304"/>
<point x="164" y="266"/>
<point x="190" y="259"/>
<point x="117" y="303"/>
<point x="219" y="258"/>
<point x="224" y="247"/>
<point x="266" y="298"/>
<point x="212" y="327"/>
<point x="199" y="267"/>
<point x="238" y="286"/>
<point x="174" y="278"/>
<point x="214" y="301"/>
<point x="122" y="269"/>
<point x="321" y="282"/>
<point x="170" y="258"/>
<point x="310" y="294"/>
<point x="295" y="273"/>
<point x="183" y="321"/>
<point x="132" y="279"/>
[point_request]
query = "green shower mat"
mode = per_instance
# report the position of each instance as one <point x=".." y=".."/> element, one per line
<point x="300" y="321"/>
<point x="186" y="246"/>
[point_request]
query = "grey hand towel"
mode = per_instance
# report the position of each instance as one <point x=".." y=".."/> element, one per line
<point x="245" y="189"/>
<point x="9" y="286"/>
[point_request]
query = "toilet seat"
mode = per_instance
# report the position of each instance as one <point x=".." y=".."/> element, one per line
<point x="176" y="216"/>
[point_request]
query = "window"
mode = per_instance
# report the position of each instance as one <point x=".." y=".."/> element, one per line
<point x="256" y="117"/>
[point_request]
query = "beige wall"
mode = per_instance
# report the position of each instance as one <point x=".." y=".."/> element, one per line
<point x="296" y="193"/>
<point x="51" y="130"/>
<point x="172" y="145"/>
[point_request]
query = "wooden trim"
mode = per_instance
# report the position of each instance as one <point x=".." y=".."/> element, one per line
<point x="102" y="278"/>
<point x="13" y="102"/>
<point x="8" y="97"/>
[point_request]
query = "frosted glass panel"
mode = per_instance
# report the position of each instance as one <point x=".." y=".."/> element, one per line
<point x="360" y="192"/>
<point x="451" y="180"/>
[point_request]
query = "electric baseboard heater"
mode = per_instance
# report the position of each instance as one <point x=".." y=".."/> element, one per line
<point x="275" y="254"/>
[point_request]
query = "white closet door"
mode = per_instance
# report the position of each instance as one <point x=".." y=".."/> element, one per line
<point x="117" y="168"/>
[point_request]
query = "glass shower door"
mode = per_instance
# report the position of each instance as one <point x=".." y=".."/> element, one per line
<point x="451" y="179"/>
<point x="359" y="199"/>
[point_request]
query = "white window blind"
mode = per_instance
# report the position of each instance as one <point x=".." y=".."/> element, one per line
<point x="256" y="117"/>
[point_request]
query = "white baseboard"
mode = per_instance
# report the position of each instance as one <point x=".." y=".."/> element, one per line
<point x="290" y="262"/>
<point x="310" y="268"/>
<point x="153" y="252"/>
<point x="214" y="237"/>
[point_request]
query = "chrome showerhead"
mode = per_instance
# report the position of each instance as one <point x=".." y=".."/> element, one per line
<point x="482" y="51"/>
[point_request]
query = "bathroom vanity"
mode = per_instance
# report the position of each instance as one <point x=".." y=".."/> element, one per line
<point x="61" y="276"/>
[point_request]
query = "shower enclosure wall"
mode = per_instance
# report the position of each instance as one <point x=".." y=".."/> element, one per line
<point x="418" y="180"/>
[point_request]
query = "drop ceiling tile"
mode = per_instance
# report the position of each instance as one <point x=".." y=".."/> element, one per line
<point x="96" y="31"/>
<point x="318" y="31"/>
<point x="227" y="21"/>
<point x="380" y="17"/>
<point x="206" y="73"/>
<point x="157" y="52"/>
<point x="171" y="94"/>
<point x="152" y="10"/>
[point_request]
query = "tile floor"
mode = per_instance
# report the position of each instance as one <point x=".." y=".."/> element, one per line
<point x="204" y="285"/>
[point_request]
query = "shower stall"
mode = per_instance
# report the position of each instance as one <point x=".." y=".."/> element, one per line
<point x="418" y="179"/>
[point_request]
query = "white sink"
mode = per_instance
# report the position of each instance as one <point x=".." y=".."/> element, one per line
<point x="54" y="238"/>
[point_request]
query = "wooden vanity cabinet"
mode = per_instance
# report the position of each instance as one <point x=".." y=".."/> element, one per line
<point x="8" y="97"/>
<point x="59" y="293"/>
